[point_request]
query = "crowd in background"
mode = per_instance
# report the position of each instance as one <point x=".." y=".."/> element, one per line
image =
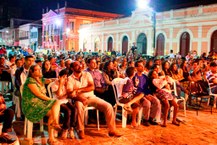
<point x="149" y="84"/>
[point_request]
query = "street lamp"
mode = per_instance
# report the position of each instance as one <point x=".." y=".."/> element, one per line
<point x="58" y="22"/>
<point x="143" y="4"/>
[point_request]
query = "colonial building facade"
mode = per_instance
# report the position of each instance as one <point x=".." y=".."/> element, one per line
<point x="30" y="35"/>
<point x="60" y="27"/>
<point x="180" y="30"/>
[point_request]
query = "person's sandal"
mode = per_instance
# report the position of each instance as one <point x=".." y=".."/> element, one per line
<point x="176" y="123"/>
<point x="56" y="126"/>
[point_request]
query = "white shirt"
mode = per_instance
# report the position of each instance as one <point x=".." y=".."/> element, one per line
<point x="23" y="76"/>
<point x="54" y="88"/>
<point x="73" y="83"/>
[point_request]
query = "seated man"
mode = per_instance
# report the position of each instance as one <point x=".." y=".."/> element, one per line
<point x="151" y="105"/>
<point x="6" y="116"/>
<point x="99" y="84"/>
<point x="212" y="80"/>
<point x="80" y="86"/>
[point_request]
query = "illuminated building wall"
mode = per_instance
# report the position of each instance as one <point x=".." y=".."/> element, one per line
<point x="181" y="30"/>
<point x="60" y="27"/>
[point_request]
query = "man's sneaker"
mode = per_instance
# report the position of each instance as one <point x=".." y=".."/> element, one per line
<point x="81" y="134"/>
<point x="7" y="139"/>
<point x="71" y="133"/>
<point x="114" y="134"/>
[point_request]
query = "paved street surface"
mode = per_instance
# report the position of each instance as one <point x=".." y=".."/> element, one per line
<point x="195" y="130"/>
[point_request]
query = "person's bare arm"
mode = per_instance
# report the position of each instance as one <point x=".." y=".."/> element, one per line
<point x="106" y="79"/>
<point x="34" y="89"/>
<point x="89" y="87"/>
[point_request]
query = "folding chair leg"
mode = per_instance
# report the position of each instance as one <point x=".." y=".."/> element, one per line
<point x="86" y="117"/>
<point x="25" y="126"/>
<point x="42" y="125"/>
<point x="214" y="102"/>
<point x="97" y="116"/>
<point x="115" y="109"/>
<point x="124" y="118"/>
<point x="184" y="102"/>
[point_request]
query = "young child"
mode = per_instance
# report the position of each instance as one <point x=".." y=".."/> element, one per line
<point x="129" y="98"/>
<point x="159" y="87"/>
<point x="66" y="107"/>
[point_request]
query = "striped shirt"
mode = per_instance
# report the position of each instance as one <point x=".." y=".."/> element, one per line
<point x="211" y="77"/>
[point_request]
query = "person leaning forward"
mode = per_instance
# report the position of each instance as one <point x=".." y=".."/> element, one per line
<point x="80" y="87"/>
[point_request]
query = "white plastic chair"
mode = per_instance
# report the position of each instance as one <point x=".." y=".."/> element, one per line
<point x="28" y="125"/>
<point x="86" y="115"/>
<point x="215" y="97"/>
<point x="86" y="109"/>
<point x="117" y="85"/>
<point x="181" y="99"/>
<point x="16" y="101"/>
<point x="4" y="85"/>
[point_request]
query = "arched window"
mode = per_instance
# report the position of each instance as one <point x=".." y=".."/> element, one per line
<point x="160" y="44"/>
<point x="124" y="45"/>
<point x="184" y="43"/>
<point x="213" y="46"/>
<point x="142" y="44"/>
<point x="110" y="44"/>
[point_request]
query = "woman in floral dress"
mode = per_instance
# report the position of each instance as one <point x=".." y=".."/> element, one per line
<point x="35" y="103"/>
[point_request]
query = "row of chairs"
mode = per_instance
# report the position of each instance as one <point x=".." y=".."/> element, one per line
<point x="28" y="125"/>
<point x="117" y="85"/>
<point x="197" y="93"/>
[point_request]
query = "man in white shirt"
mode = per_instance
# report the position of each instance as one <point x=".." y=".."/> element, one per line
<point x="22" y="73"/>
<point x="80" y="87"/>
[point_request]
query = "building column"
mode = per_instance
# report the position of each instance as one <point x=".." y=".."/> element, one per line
<point x="199" y="43"/>
<point x="117" y="42"/>
<point x="170" y="40"/>
<point x="103" y="45"/>
<point x="133" y="38"/>
<point x="150" y="49"/>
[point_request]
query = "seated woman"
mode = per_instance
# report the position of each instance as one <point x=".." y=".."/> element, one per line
<point x="47" y="71"/>
<point x="129" y="98"/>
<point x="158" y="85"/>
<point x="59" y="93"/>
<point x="35" y="103"/>
<point x="178" y="77"/>
<point x="148" y="66"/>
<point x="109" y="73"/>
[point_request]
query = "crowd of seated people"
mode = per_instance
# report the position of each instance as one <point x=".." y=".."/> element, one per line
<point x="87" y="81"/>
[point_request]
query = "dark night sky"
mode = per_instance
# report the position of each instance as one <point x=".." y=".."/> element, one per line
<point x="32" y="9"/>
